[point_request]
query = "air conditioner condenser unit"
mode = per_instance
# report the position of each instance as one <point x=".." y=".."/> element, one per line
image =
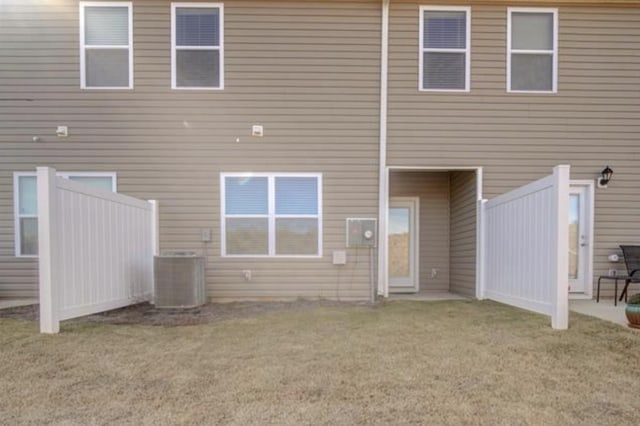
<point x="179" y="280"/>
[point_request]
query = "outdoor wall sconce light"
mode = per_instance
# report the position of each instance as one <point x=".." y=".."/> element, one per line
<point x="605" y="177"/>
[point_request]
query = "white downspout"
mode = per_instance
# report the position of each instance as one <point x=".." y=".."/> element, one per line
<point x="383" y="198"/>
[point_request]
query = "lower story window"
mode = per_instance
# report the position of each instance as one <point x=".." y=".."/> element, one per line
<point x="273" y="215"/>
<point x="26" y="205"/>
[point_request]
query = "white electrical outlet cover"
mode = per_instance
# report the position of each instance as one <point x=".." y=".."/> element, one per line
<point x="339" y="257"/>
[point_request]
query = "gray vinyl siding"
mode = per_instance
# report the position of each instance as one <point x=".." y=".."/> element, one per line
<point x="432" y="188"/>
<point x="463" y="233"/>
<point x="592" y="121"/>
<point x="308" y="71"/>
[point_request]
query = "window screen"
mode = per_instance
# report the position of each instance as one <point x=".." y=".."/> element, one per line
<point x="272" y="215"/>
<point x="247" y="236"/>
<point x="296" y="195"/>
<point x="26" y="208"/>
<point x="247" y="195"/>
<point x="532" y="51"/>
<point x="197" y="26"/>
<point x="296" y="212"/>
<point x="444" y="49"/>
<point x="27" y="216"/>
<point x="107" y="68"/>
<point x="106" y="46"/>
<point x="197" y="46"/>
<point x="106" y="25"/>
<point x="295" y="236"/>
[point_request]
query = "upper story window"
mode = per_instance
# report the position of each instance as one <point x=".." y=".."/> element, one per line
<point x="532" y="50"/>
<point x="197" y="46"/>
<point x="271" y="215"/>
<point x="445" y="39"/>
<point x="26" y="205"/>
<point x="106" y="45"/>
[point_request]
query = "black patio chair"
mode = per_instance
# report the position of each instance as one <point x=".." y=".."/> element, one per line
<point x="632" y="261"/>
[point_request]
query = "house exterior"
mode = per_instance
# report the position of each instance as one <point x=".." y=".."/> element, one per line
<point x="262" y="126"/>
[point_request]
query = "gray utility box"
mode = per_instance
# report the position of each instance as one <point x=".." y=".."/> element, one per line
<point x="361" y="232"/>
<point x="179" y="280"/>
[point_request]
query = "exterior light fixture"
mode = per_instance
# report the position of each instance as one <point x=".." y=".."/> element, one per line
<point x="605" y="177"/>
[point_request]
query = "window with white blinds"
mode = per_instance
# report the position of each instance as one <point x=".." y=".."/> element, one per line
<point x="106" y="45"/>
<point x="26" y="204"/>
<point x="444" y="48"/>
<point x="532" y="50"/>
<point x="271" y="215"/>
<point x="197" y="54"/>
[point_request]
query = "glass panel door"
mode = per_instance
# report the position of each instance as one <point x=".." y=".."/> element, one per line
<point x="403" y="244"/>
<point x="399" y="242"/>
<point x="579" y="239"/>
<point x="574" y="235"/>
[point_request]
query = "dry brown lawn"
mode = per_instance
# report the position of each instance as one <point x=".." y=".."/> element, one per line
<point x="401" y="362"/>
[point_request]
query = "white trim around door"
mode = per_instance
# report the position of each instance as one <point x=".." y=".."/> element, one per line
<point x="581" y="280"/>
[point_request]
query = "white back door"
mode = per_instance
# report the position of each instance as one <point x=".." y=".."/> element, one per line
<point x="580" y="224"/>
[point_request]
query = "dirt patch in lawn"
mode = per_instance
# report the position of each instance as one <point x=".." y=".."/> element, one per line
<point x="147" y="314"/>
<point x="24" y="313"/>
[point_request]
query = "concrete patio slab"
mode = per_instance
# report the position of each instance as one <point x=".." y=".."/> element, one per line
<point x="604" y="310"/>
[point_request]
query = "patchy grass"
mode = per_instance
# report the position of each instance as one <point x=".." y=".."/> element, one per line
<point x="403" y="362"/>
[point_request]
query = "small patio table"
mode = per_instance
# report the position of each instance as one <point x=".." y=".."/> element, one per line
<point x="615" y="278"/>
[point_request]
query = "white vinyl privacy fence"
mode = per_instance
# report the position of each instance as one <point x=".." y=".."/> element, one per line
<point x="96" y="249"/>
<point x="525" y="246"/>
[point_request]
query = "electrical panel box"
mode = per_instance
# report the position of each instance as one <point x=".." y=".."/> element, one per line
<point x="362" y="232"/>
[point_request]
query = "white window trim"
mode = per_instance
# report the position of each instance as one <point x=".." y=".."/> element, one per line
<point x="174" y="6"/>
<point x="466" y="51"/>
<point x="17" y="216"/>
<point x="271" y="215"/>
<point x="16" y="201"/>
<point x="83" y="47"/>
<point x="554" y="52"/>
